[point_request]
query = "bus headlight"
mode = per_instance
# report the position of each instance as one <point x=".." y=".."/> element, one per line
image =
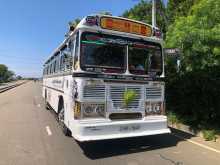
<point x="153" y="108"/>
<point x="93" y="110"/>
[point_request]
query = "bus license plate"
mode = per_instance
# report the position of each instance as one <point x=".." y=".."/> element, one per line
<point x="128" y="128"/>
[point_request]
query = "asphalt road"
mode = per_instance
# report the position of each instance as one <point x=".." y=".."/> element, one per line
<point x="25" y="140"/>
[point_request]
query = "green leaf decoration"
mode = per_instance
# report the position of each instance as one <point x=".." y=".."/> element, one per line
<point x="129" y="96"/>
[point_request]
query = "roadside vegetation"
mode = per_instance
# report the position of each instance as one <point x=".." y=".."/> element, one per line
<point x="193" y="90"/>
<point x="7" y="75"/>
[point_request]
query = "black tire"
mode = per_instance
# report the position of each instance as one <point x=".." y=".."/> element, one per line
<point x="46" y="105"/>
<point x="45" y="101"/>
<point x="64" y="128"/>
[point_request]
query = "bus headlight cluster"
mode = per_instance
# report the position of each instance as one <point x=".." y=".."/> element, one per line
<point x="93" y="110"/>
<point x="153" y="108"/>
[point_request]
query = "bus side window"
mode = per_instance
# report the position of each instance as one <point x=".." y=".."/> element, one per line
<point x="54" y="66"/>
<point x="57" y="64"/>
<point x="76" y="51"/>
<point x="51" y="68"/>
<point x="61" y="62"/>
<point x="66" y="62"/>
<point x="71" y="49"/>
<point x="47" y="69"/>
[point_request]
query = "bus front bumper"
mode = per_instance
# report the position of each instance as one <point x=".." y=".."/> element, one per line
<point x="101" y="130"/>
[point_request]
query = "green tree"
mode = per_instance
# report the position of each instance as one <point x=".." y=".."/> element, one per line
<point x="19" y="77"/>
<point x="72" y="25"/>
<point x="75" y="22"/>
<point x="198" y="35"/>
<point x="105" y="13"/>
<point x="143" y="12"/>
<point x="194" y="93"/>
<point x="177" y="8"/>
<point x="5" y="74"/>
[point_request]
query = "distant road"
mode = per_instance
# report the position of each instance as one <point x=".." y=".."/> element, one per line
<point x="30" y="135"/>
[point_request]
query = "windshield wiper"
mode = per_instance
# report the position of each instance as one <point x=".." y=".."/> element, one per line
<point x="104" y="67"/>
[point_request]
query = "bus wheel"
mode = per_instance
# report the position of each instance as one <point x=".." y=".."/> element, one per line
<point x="45" y="101"/>
<point x="65" y="130"/>
<point x="46" y="105"/>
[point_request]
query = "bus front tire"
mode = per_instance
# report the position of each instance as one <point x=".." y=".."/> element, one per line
<point x="46" y="105"/>
<point x="64" y="128"/>
<point x="45" y="101"/>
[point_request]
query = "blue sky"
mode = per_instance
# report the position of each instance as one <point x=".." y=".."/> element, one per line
<point x="31" y="29"/>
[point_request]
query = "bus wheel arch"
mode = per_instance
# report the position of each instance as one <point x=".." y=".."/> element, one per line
<point x="61" y="117"/>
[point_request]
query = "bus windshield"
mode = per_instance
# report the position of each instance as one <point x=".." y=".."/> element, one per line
<point x="108" y="54"/>
<point x="144" y="58"/>
<point x="99" y="54"/>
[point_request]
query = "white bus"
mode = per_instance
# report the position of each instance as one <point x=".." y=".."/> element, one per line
<point x="105" y="81"/>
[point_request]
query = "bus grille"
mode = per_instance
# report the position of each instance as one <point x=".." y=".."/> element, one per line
<point x="94" y="92"/>
<point x="117" y="95"/>
<point x="153" y="93"/>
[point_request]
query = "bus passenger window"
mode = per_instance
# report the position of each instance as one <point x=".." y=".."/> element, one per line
<point x="54" y="66"/>
<point x="61" y="63"/>
<point x="51" y="68"/>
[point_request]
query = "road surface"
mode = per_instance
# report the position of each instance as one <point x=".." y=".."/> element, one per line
<point x="30" y="135"/>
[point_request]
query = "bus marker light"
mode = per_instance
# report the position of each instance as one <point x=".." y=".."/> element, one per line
<point x="91" y="20"/>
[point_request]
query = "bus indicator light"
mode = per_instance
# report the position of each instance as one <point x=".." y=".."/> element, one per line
<point x="109" y="23"/>
<point x="77" y="110"/>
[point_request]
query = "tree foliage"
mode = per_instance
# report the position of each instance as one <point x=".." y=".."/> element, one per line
<point x="178" y="8"/>
<point x="74" y="22"/>
<point x="193" y="94"/>
<point x="105" y="13"/>
<point x="143" y="12"/>
<point x="5" y="74"/>
<point x="198" y="35"/>
<point x="194" y="97"/>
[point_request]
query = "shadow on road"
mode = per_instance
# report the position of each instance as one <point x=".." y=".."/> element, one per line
<point x="109" y="148"/>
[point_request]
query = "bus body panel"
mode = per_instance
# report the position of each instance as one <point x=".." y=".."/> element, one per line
<point x="57" y="87"/>
<point x="103" y="130"/>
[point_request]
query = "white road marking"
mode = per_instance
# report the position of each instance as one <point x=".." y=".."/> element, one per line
<point x="199" y="144"/>
<point x="48" y="131"/>
<point x="177" y="152"/>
